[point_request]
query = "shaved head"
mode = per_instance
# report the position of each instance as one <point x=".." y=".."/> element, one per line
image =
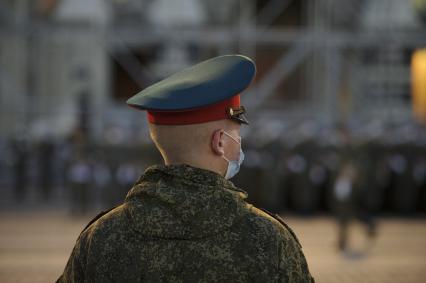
<point x="194" y="143"/>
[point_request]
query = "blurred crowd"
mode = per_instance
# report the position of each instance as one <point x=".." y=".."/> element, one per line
<point x="333" y="172"/>
<point x="340" y="169"/>
<point x="84" y="174"/>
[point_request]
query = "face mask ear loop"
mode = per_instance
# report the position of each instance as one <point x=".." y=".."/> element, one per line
<point x="223" y="156"/>
<point x="235" y="140"/>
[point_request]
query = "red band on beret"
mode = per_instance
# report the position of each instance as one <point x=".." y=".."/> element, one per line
<point x="213" y="112"/>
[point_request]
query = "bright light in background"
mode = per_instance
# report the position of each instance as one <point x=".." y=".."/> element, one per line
<point x="418" y="68"/>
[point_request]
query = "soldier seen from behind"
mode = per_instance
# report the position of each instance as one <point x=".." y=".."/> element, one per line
<point x="184" y="220"/>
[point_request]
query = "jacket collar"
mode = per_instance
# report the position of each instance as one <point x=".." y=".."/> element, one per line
<point x="188" y="174"/>
<point x="181" y="201"/>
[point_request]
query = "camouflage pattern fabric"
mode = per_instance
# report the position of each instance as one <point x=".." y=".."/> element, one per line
<point x="184" y="224"/>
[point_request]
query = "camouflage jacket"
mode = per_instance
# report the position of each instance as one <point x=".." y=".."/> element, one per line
<point x="184" y="224"/>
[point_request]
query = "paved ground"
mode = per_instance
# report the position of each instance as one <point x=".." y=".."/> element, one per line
<point x="34" y="247"/>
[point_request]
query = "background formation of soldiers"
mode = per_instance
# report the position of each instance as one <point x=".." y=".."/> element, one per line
<point x="352" y="178"/>
<point x="346" y="176"/>
<point x="339" y="173"/>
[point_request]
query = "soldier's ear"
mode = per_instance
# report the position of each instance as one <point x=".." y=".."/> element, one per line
<point x="217" y="142"/>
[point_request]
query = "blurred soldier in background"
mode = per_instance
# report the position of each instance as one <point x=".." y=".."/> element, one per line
<point x="113" y="192"/>
<point x="299" y="184"/>
<point x="103" y="180"/>
<point x="46" y="150"/>
<point x="344" y="195"/>
<point x="419" y="175"/>
<point x="403" y="190"/>
<point x="350" y="191"/>
<point x="80" y="179"/>
<point x="307" y="177"/>
<point x="126" y="175"/>
<point x="20" y="163"/>
<point x="79" y="171"/>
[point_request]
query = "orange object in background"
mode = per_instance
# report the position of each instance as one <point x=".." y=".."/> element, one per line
<point x="418" y="84"/>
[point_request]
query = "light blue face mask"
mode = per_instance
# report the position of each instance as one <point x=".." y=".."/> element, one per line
<point x="233" y="165"/>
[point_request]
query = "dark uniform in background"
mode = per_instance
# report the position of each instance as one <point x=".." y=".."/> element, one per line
<point x="80" y="177"/>
<point x="20" y="163"/>
<point x="185" y="224"/>
<point x="46" y="151"/>
<point x="352" y="193"/>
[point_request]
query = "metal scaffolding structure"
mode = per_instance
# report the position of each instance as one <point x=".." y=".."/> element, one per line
<point x="352" y="59"/>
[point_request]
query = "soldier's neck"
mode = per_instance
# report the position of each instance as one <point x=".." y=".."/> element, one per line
<point x="216" y="165"/>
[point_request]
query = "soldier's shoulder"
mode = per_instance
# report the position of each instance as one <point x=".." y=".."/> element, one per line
<point x="111" y="219"/>
<point x="270" y="223"/>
